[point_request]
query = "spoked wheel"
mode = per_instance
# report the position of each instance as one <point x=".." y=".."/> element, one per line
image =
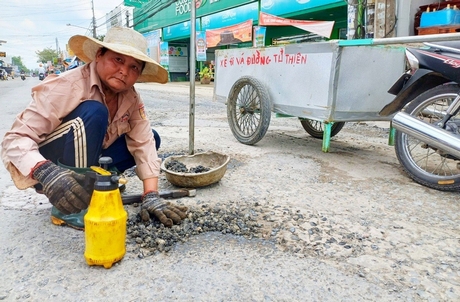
<point x="316" y="128"/>
<point x="426" y="165"/>
<point x="248" y="110"/>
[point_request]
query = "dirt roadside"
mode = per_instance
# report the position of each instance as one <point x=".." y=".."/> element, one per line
<point x="347" y="225"/>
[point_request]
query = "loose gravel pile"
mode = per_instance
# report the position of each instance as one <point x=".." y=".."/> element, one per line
<point x="300" y="233"/>
<point x="152" y="236"/>
<point x="177" y="166"/>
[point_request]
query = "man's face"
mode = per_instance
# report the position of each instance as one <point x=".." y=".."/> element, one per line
<point x="117" y="72"/>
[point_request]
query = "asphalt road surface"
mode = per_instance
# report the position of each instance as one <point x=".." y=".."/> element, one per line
<point x="394" y="240"/>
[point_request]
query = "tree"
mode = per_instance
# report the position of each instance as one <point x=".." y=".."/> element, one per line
<point x="18" y="62"/>
<point x="47" y="54"/>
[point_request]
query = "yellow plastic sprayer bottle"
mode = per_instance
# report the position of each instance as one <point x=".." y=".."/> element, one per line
<point x="105" y="221"/>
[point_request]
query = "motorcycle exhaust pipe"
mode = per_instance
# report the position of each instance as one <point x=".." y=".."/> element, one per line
<point x="427" y="133"/>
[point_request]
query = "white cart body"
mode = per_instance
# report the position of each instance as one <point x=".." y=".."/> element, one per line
<point x="324" y="81"/>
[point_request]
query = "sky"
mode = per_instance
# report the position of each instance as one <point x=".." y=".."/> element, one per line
<point x="28" y="26"/>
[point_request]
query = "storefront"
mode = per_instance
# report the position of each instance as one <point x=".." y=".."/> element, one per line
<point x="231" y="22"/>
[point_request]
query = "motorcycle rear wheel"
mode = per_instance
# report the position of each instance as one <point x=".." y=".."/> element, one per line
<point x="423" y="164"/>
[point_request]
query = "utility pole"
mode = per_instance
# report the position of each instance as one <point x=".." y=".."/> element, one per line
<point x="94" y="20"/>
<point x="127" y="18"/>
<point x="57" y="51"/>
<point x="192" y="63"/>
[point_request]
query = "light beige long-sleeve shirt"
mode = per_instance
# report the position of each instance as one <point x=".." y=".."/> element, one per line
<point x="52" y="100"/>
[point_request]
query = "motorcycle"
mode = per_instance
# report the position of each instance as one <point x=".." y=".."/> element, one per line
<point x="23" y="76"/>
<point x="197" y="75"/>
<point x="427" y="119"/>
<point x="3" y="75"/>
<point x="41" y="76"/>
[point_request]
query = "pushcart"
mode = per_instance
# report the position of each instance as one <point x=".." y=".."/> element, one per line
<point x="324" y="84"/>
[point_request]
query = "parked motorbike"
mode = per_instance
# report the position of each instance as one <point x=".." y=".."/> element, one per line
<point x="3" y="75"/>
<point x="41" y="76"/>
<point x="427" y="119"/>
<point x="197" y="75"/>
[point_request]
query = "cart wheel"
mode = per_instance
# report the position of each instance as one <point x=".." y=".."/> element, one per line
<point x="248" y="110"/>
<point x="315" y="128"/>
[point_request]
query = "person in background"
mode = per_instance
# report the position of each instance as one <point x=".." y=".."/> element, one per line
<point x="83" y="114"/>
<point x="41" y="69"/>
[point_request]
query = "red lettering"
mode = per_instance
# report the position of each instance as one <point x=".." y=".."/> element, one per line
<point x="265" y="60"/>
<point x="298" y="58"/>
<point x="304" y="59"/>
<point x="278" y="58"/>
<point x="258" y="59"/>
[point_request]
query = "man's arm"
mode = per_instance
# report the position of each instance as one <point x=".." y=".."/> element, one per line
<point x="150" y="184"/>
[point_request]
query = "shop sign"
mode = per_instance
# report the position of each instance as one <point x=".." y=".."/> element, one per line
<point x="229" y="35"/>
<point x="322" y="28"/>
<point x="179" y="11"/>
<point x="178" y="58"/>
<point x="179" y="30"/>
<point x="164" y="55"/>
<point x="231" y="17"/>
<point x="184" y="6"/>
<point x="153" y="43"/>
<point x="201" y="46"/>
<point x="2" y="54"/>
<point x="153" y="37"/>
<point x="259" y="36"/>
<point x="135" y="3"/>
<point x="280" y="7"/>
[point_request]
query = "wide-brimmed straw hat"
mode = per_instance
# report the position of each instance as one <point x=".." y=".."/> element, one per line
<point x="122" y="40"/>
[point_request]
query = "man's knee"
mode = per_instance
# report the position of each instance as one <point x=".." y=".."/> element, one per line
<point x="91" y="111"/>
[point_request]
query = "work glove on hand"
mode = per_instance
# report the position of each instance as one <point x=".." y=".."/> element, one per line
<point x="166" y="212"/>
<point x="63" y="187"/>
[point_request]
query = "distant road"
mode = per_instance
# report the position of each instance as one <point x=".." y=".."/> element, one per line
<point x="14" y="97"/>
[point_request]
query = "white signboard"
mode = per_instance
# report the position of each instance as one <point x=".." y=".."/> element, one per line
<point x="292" y="75"/>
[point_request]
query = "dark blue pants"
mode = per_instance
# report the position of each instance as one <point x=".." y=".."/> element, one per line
<point x="77" y="142"/>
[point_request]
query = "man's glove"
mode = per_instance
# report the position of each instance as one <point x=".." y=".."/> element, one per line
<point x="166" y="212"/>
<point x="63" y="187"/>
